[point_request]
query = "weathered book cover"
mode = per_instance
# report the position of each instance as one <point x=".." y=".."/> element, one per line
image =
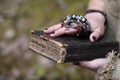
<point x="68" y="48"/>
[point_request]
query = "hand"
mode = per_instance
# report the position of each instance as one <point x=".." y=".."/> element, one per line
<point x="97" y="25"/>
<point x="59" y="29"/>
<point x="97" y="28"/>
<point x="93" y="65"/>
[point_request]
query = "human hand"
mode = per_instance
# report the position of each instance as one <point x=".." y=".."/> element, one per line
<point x="59" y="29"/>
<point x="97" y="28"/>
<point x="97" y="25"/>
<point x="93" y="65"/>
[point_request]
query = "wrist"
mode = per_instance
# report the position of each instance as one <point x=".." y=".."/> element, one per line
<point x="97" y="12"/>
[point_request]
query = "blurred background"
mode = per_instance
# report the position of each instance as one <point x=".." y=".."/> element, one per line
<point x="17" y="19"/>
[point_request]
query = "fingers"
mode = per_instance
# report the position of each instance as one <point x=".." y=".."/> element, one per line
<point x="94" y="36"/>
<point x="94" y="64"/>
<point x="58" y="32"/>
<point x="70" y="31"/>
<point x="53" y="28"/>
<point x="62" y="31"/>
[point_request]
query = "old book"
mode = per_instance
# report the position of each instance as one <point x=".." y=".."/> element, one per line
<point x="70" y="48"/>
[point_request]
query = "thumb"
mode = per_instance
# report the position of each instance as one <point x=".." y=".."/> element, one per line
<point x="94" y="36"/>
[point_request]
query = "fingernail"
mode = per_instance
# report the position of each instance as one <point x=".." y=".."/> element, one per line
<point x="62" y="24"/>
<point x="46" y="28"/>
<point x="94" y="38"/>
<point x="52" y="32"/>
<point x="76" y="63"/>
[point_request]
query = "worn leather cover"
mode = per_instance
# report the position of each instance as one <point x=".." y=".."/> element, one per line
<point x="74" y="48"/>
